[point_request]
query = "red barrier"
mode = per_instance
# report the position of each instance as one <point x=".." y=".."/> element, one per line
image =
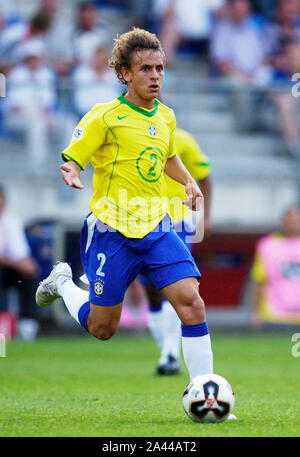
<point x="224" y="261"/>
<point x="8" y="324"/>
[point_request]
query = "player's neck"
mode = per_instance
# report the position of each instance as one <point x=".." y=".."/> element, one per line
<point x="139" y="101"/>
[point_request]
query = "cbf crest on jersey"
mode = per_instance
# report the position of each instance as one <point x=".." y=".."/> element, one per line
<point x="152" y="131"/>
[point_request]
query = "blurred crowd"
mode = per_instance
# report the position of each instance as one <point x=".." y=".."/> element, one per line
<point x="240" y="37"/>
<point x="249" y="44"/>
<point x="252" y="47"/>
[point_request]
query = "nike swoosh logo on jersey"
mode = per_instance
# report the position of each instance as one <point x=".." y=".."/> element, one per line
<point x="122" y="117"/>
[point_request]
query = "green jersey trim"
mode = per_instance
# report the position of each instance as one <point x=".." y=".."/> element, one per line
<point x="66" y="156"/>
<point x="137" y="108"/>
<point x="202" y="164"/>
<point x="117" y="146"/>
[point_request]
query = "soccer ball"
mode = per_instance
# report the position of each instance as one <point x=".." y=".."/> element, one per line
<point x="208" y="398"/>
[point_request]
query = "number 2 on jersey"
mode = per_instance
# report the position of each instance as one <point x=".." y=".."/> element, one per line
<point x="153" y="159"/>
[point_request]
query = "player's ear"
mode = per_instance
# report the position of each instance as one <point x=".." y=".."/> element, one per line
<point x="126" y="73"/>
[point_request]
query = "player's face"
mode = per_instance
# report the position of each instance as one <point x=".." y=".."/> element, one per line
<point x="145" y="76"/>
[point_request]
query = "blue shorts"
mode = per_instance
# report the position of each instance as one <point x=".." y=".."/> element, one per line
<point x="183" y="234"/>
<point x="111" y="261"/>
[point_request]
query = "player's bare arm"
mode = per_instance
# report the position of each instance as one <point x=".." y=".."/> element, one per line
<point x="175" y="169"/>
<point x="71" y="174"/>
<point x="206" y="188"/>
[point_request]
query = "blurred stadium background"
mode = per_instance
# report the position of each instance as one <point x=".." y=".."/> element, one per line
<point x="232" y="115"/>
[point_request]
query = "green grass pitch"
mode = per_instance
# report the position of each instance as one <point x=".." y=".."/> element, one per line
<point x="84" y="387"/>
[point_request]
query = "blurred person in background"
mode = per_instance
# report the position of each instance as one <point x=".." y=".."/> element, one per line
<point x="15" y="36"/>
<point x="287" y="106"/>
<point x="284" y="28"/>
<point x="181" y="24"/>
<point x="276" y="274"/>
<point x="8" y="17"/>
<point x="18" y="269"/>
<point x="30" y="102"/>
<point x="282" y="41"/>
<point x="94" y="82"/>
<point x="30" y="105"/>
<point x="163" y="322"/>
<point x="58" y="39"/>
<point x="88" y="34"/>
<point x="237" y="54"/>
<point x="236" y="47"/>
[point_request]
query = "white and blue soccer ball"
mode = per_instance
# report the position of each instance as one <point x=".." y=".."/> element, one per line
<point x="208" y="398"/>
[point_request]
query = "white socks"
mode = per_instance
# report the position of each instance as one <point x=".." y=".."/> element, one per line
<point x="164" y="326"/>
<point x="171" y="331"/>
<point x="155" y="325"/>
<point x="73" y="296"/>
<point x="196" y="348"/>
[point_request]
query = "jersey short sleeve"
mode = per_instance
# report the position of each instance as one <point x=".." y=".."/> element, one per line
<point x="88" y="137"/>
<point x="192" y="156"/>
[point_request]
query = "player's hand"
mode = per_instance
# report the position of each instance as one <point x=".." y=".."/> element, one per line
<point x="194" y="197"/>
<point x="71" y="175"/>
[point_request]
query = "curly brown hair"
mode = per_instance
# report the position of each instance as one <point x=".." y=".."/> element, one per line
<point x="126" y="44"/>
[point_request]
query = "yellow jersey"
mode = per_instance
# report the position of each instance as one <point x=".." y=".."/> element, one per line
<point x="127" y="147"/>
<point x="196" y="163"/>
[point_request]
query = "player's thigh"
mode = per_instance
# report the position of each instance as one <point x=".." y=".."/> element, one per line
<point x="186" y="300"/>
<point x="103" y="321"/>
<point x="109" y="266"/>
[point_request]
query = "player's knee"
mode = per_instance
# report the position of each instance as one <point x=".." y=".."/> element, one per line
<point x="104" y="334"/>
<point x="101" y="332"/>
<point x="197" y="304"/>
<point x="192" y="308"/>
<point x="192" y="299"/>
<point x="199" y="307"/>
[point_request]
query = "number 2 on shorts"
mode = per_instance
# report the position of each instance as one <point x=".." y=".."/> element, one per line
<point x="102" y="258"/>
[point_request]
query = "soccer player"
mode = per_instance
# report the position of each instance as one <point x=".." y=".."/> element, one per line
<point x="130" y="142"/>
<point x="163" y="321"/>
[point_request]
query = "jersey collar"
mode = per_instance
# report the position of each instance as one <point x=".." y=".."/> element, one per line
<point x="137" y="108"/>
